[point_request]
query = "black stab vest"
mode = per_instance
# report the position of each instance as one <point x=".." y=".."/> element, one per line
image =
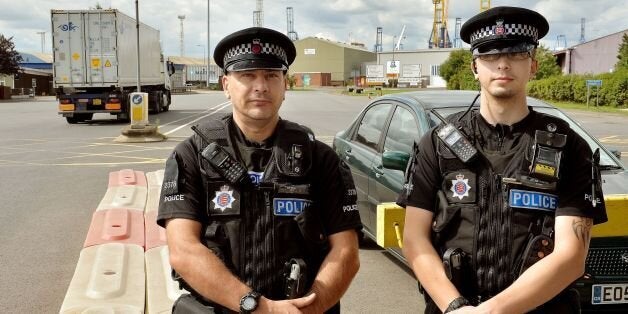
<point x="482" y="223"/>
<point x="256" y="230"/>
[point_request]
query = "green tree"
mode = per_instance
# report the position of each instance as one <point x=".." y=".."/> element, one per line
<point x="292" y="80"/>
<point x="456" y="70"/>
<point x="622" y="63"/>
<point x="9" y="58"/>
<point x="547" y="63"/>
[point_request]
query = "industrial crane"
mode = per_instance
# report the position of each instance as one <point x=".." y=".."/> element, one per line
<point x="440" y="37"/>
<point x="485" y="5"/>
<point x="398" y="44"/>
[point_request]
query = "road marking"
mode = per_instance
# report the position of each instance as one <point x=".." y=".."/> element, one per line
<point x="215" y="109"/>
<point x="614" y="139"/>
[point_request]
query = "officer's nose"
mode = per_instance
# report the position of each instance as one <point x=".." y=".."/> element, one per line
<point x="260" y="84"/>
<point x="503" y="62"/>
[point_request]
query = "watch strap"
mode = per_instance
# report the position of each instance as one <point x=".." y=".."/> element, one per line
<point x="456" y="304"/>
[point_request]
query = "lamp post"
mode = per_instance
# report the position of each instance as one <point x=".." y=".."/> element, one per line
<point x="209" y="47"/>
<point x="205" y="65"/>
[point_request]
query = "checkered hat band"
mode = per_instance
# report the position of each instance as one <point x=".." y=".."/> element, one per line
<point x="509" y="29"/>
<point x="245" y="49"/>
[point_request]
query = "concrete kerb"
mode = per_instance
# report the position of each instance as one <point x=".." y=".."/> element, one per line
<point x="140" y="133"/>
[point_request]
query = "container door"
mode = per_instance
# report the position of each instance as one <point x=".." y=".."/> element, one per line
<point x="101" y="47"/>
<point x="69" y="50"/>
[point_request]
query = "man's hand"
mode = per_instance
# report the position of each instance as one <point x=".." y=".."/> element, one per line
<point x="285" y="306"/>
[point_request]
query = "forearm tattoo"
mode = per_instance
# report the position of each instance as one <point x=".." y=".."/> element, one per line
<point x="582" y="230"/>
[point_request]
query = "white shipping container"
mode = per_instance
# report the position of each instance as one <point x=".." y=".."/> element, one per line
<point x="97" y="48"/>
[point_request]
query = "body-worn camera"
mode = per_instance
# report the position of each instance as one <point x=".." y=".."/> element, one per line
<point x="546" y="155"/>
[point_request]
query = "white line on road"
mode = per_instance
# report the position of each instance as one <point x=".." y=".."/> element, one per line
<point x="213" y="111"/>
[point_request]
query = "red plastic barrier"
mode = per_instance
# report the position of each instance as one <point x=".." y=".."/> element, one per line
<point x="155" y="235"/>
<point x="127" y="177"/>
<point x="116" y="226"/>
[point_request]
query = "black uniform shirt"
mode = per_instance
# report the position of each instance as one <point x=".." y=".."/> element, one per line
<point x="497" y="144"/>
<point x="334" y="192"/>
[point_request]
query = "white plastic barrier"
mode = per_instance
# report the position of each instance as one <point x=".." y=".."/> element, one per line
<point x="109" y="278"/>
<point x="124" y="196"/>
<point x="161" y="290"/>
<point x="155" y="179"/>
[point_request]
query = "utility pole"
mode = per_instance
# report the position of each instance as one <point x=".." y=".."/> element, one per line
<point x="137" y="42"/>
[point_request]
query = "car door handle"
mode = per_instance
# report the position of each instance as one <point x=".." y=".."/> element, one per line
<point x="379" y="171"/>
<point x="348" y="154"/>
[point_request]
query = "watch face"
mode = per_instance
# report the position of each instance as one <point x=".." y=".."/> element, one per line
<point x="249" y="303"/>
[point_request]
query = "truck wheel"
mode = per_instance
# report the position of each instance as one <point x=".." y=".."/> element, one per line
<point x="165" y="102"/>
<point x="71" y="120"/>
<point x="153" y="106"/>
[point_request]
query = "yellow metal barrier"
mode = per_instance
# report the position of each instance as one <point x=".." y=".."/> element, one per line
<point x="617" y="212"/>
<point x="391" y="219"/>
<point x="390" y="222"/>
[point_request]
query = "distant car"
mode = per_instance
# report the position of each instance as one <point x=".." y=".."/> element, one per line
<point x="377" y="146"/>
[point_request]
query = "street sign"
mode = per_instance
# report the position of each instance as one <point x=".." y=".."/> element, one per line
<point x="392" y="67"/>
<point x="596" y="83"/>
<point x="375" y="70"/>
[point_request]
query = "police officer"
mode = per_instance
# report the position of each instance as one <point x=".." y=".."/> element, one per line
<point x="254" y="207"/>
<point x="501" y="200"/>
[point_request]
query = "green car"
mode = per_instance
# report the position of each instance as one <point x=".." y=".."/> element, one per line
<point x="378" y="144"/>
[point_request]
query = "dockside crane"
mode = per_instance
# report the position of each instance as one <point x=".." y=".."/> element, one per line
<point x="440" y="36"/>
<point x="485" y="5"/>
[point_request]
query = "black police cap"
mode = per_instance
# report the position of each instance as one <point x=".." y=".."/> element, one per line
<point x="503" y="27"/>
<point x="255" y="48"/>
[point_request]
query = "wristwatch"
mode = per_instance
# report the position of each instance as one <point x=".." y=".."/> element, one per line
<point x="249" y="302"/>
<point x="456" y="304"/>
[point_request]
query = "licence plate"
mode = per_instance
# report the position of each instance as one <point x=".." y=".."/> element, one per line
<point x="609" y="294"/>
<point x="97" y="102"/>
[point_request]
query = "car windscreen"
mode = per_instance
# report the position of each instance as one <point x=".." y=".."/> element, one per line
<point x="605" y="157"/>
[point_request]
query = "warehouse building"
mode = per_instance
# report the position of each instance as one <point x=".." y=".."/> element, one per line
<point x="593" y="57"/>
<point x="322" y="62"/>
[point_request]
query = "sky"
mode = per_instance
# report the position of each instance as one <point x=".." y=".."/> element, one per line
<point x="336" y="20"/>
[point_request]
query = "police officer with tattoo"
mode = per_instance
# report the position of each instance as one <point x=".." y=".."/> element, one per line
<point x="500" y="200"/>
<point x="259" y="215"/>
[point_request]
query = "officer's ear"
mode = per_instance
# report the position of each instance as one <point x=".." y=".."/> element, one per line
<point x="225" y="85"/>
<point x="474" y="69"/>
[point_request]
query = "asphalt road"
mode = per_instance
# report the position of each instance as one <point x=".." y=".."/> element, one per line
<point x="54" y="175"/>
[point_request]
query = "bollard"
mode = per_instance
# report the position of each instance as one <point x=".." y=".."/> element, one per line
<point x="139" y="108"/>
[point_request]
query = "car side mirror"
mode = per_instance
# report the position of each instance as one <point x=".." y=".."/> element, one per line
<point x="395" y="160"/>
<point x="616" y="152"/>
